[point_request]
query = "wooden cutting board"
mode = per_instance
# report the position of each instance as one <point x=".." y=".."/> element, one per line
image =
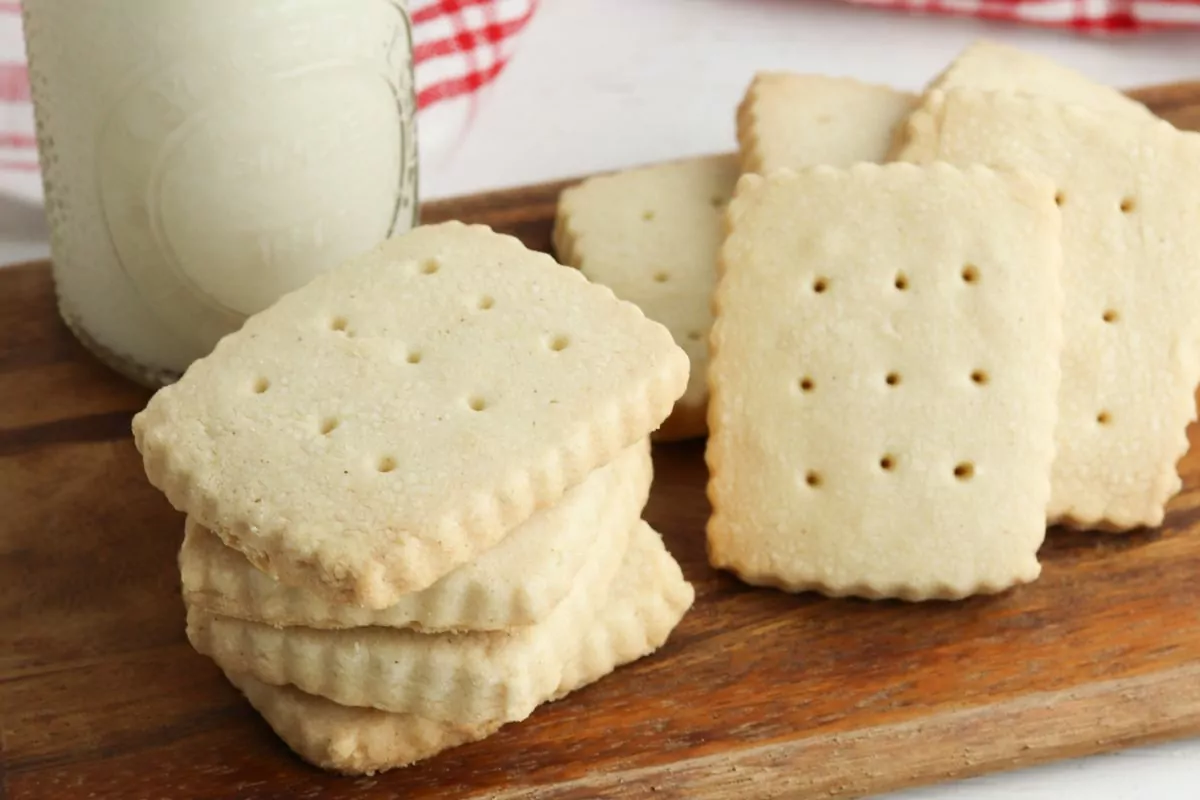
<point x="757" y="694"/>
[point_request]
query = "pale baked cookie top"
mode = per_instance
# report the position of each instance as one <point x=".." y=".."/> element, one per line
<point x="651" y="234"/>
<point x="397" y="416"/>
<point x="1129" y="190"/>
<point x="790" y="121"/>
<point x="884" y="376"/>
<point x="991" y="66"/>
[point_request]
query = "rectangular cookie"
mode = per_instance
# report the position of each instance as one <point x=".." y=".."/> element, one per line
<point x="884" y="375"/>
<point x="1130" y="196"/>
<point x="399" y="415"/>
<point x="794" y="120"/>
<point x="651" y="235"/>
<point x="993" y="67"/>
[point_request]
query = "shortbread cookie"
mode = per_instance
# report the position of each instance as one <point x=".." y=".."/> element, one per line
<point x="651" y="235"/>
<point x="883" y="380"/>
<point x="397" y="416"/>
<point x="1130" y="195"/>
<point x="467" y="678"/>
<point x="518" y="582"/>
<point x="788" y="120"/>
<point x="646" y="605"/>
<point x="990" y="66"/>
<point x="349" y="739"/>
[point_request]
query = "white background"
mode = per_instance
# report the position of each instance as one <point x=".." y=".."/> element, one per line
<point x="601" y="84"/>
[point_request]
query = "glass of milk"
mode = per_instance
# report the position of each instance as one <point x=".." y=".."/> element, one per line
<point x="203" y="157"/>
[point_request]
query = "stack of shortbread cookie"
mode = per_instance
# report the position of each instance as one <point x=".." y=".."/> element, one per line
<point x="413" y="492"/>
<point x="900" y="401"/>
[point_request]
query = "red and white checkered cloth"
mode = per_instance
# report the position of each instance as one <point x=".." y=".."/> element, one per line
<point x="1089" y="16"/>
<point x="459" y="46"/>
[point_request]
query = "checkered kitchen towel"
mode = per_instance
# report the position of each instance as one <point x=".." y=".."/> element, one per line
<point x="1089" y="16"/>
<point x="459" y="46"/>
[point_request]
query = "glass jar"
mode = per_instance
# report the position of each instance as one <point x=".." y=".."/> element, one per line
<point x="203" y="157"/>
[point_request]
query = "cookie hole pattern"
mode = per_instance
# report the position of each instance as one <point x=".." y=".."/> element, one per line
<point x="821" y="285"/>
<point x="558" y="343"/>
<point x="413" y="357"/>
<point x="807" y="385"/>
<point x="485" y="303"/>
<point x="261" y="385"/>
<point x="813" y="479"/>
<point x="695" y="336"/>
<point x="648" y="216"/>
<point x="1104" y="418"/>
<point x="1059" y="198"/>
<point x="661" y="277"/>
<point x="892" y="379"/>
<point x="430" y="266"/>
<point x="386" y="464"/>
<point x="970" y="274"/>
<point x="716" y="201"/>
<point x="964" y="471"/>
<point x="980" y="377"/>
<point x="887" y="463"/>
<point x="329" y="425"/>
<point x="1127" y="205"/>
<point x="338" y="324"/>
<point x="1110" y="316"/>
<point x="476" y="403"/>
<point x="901" y="282"/>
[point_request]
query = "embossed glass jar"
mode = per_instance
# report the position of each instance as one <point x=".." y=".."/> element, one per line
<point x="203" y="157"/>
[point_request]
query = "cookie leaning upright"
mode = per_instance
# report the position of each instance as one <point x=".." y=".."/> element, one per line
<point x="1130" y="195"/>
<point x="399" y="415"/>
<point x="652" y="235"/>
<point x="789" y="121"/>
<point x="993" y="67"/>
<point x="899" y="442"/>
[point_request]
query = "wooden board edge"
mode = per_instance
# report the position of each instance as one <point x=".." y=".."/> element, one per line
<point x="36" y="265"/>
<point x="1167" y="97"/>
<point x="1098" y="718"/>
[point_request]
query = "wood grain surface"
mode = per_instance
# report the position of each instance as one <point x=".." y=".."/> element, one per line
<point x="757" y="694"/>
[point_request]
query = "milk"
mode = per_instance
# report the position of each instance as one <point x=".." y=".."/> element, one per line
<point x="203" y="157"/>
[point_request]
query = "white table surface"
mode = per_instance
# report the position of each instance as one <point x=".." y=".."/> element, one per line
<point x="601" y="84"/>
